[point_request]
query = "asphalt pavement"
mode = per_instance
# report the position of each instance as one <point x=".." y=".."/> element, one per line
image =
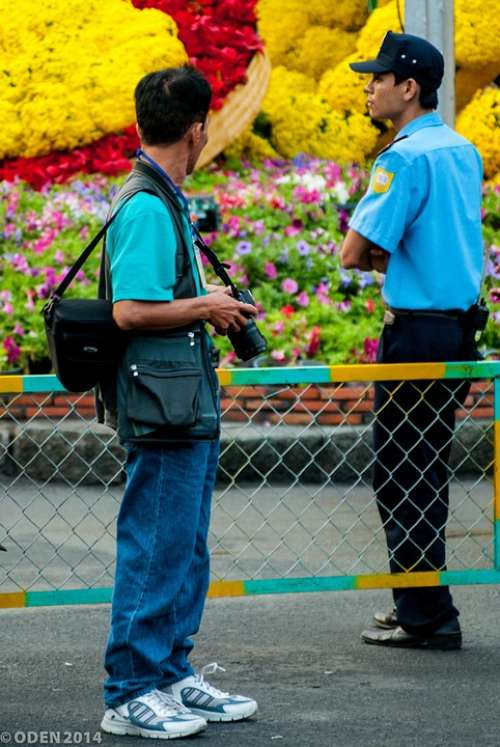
<point x="299" y="655"/>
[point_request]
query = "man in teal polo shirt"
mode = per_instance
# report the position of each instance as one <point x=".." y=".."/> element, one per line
<point x="420" y="223"/>
<point x="162" y="565"/>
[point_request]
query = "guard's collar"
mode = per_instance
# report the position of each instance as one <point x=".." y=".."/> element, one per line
<point x="425" y="120"/>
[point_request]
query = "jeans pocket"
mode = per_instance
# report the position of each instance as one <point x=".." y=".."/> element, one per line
<point x="164" y="393"/>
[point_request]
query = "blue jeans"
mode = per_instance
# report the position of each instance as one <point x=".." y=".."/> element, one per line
<point x="162" y="567"/>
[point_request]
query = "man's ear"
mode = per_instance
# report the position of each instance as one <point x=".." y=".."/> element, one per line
<point x="194" y="133"/>
<point x="411" y="90"/>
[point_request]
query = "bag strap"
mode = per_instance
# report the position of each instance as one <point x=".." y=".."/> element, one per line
<point x="70" y="275"/>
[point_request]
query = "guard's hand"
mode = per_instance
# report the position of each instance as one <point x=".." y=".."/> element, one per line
<point x="379" y="259"/>
<point x="225" y="313"/>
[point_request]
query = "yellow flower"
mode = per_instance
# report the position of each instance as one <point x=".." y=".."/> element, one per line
<point x="283" y="85"/>
<point x="379" y="22"/>
<point x="469" y="79"/>
<point x="280" y="28"/>
<point x="305" y="123"/>
<point x="69" y="69"/>
<point x="477" y="33"/>
<point x="479" y="122"/>
<point x="251" y="146"/>
<point x="343" y="88"/>
<point x="320" y="49"/>
<point x="346" y="14"/>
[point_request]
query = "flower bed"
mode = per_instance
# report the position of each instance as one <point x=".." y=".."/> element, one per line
<point x="282" y="226"/>
<point x="63" y="118"/>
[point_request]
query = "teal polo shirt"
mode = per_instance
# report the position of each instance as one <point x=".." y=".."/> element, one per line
<point x="141" y="247"/>
<point x="423" y="206"/>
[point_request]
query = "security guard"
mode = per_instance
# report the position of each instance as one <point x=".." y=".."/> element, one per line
<point x="420" y="223"/>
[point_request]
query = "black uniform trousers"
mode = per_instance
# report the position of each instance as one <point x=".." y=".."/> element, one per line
<point x="413" y="431"/>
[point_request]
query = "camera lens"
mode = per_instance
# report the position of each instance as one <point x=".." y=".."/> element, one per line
<point x="249" y="341"/>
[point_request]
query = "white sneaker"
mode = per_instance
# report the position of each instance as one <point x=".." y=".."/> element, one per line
<point x="155" y="715"/>
<point x="200" y="697"/>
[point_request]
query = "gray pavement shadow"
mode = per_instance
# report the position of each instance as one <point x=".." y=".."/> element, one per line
<point x="317" y="684"/>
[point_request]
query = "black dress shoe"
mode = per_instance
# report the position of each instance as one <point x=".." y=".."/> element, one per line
<point x="386" y="620"/>
<point x="446" y="638"/>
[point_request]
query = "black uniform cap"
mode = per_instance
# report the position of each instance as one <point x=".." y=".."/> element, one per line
<point x="409" y="56"/>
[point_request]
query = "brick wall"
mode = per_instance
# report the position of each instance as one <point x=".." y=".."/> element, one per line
<point x="322" y="404"/>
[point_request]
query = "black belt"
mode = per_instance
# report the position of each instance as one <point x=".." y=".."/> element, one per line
<point x="449" y="313"/>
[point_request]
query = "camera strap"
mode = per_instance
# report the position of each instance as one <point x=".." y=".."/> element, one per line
<point x="171" y="192"/>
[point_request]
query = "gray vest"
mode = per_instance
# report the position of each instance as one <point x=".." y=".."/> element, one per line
<point x="111" y="395"/>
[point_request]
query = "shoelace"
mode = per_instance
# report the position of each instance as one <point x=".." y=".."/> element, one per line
<point x="210" y="689"/>
<point x="163" y="704"/>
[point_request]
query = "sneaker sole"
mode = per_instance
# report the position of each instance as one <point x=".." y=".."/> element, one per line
<point x="122" y="729"/>
<point x="436" y="643"/>
<point x="212" y="716"/>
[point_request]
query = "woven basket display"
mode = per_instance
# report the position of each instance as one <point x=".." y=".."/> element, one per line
<point x="239" y="110"/>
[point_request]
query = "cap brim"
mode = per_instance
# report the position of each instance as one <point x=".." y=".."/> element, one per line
<point x="370" y="66"/>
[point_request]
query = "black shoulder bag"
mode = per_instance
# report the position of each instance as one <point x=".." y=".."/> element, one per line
<point x="84" y="340"/>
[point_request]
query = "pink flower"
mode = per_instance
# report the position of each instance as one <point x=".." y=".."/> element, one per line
<point x="303" y="299"/>
<point x="333" y="173"/>
<point x="294" y="228"/>
<point x="307" y="196"/>
<point x="270" y="270"/>
<point x="370" y="346"/>
<point x="278" y="355"/>
<point x="278" y="327"/>
<point x="8" y="308"/>
<point x="12" y="349"/>
<point x="289" y="285"/>
<point x="30" y="304"/>
<point x="9" y="229"/>
<point x="18" y="330"/>
<point x="233" y="226"/>
<point x="344" y="306"/>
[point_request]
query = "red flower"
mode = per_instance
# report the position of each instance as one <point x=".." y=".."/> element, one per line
<point x="287" y="310"/>
<point x="314" y="341"/>
<point x="220" y="38"/>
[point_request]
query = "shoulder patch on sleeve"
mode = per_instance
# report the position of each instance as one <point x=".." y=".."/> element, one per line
<point x="382" y="180"/>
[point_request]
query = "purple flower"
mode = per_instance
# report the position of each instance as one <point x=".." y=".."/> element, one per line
<point x="303" y="248"/>
<point x="243" y="247"/>
<point x="345" y="278"/>
<point x="289" y="285"/>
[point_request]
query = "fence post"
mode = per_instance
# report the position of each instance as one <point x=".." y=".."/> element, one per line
<point x="434" y="20"/>
<point x="496" y="467"/>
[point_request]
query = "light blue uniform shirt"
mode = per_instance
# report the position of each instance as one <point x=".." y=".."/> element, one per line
<point x="141" y="246"/>
<point x="423" y="206"/>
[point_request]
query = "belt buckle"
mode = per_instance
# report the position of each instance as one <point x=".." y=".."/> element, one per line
<point x="389" y="317"/>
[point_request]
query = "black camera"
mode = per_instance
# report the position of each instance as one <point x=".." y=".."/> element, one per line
<point x="205" y="212"/>
<point x="249" y="341"/>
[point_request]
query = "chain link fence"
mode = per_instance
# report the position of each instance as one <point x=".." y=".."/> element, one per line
<point x="294" y="498"/>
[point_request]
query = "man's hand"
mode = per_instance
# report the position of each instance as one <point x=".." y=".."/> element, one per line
<point x="225" y="313"/>
<point x="213" y="288"/>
